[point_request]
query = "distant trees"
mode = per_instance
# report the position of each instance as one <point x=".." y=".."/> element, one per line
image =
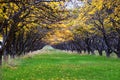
<point x="102" y="17"/>
<point x="23" y="24"/>
<point x="96" y="23"/>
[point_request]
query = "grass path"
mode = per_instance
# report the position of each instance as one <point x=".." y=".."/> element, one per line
<point x="61" y="66"/>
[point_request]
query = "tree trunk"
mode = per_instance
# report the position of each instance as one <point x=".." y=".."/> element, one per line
<point x="118" y="48"/>
<point x="118" y="55"/>
<point x="0" y="58"/>
<point x="5" y="56"/>
<point x="108" y="52"/>
<point x="12" y="56"/>
<point x="100" y="52"/>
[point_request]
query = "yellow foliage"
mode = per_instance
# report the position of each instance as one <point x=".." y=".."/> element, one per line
<point x="1" y="18"/>
<point x="58" y="36"/>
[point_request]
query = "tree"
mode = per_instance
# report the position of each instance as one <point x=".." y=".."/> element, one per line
<point x="102" y="19"/>
<point x="19" y="21"/>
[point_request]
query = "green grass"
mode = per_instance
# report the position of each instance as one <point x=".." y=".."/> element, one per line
<point x="61" y="66"/>
<point x="0" y="73"/>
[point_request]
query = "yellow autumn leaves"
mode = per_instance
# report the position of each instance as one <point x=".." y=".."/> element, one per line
<point x="6" y="9"/>
<point x="58" y="36"/>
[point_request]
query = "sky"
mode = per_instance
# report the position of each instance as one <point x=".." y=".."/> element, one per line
<point x="73" y="3"/>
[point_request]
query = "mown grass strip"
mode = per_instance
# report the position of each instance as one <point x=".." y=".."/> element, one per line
<point x="57" y="65"/>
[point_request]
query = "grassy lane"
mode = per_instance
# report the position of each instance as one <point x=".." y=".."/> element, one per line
<point x="61" y="66"/>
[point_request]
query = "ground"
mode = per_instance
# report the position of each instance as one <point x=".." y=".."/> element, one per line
<point x="59" y="65"/>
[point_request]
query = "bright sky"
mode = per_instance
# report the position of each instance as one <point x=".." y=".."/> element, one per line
<point x="73" y="3"/>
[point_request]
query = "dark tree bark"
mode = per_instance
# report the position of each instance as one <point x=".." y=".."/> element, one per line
<point x="118" y="48"/>
<point x="100" y="52"/>
<point x="0" y="57"/>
